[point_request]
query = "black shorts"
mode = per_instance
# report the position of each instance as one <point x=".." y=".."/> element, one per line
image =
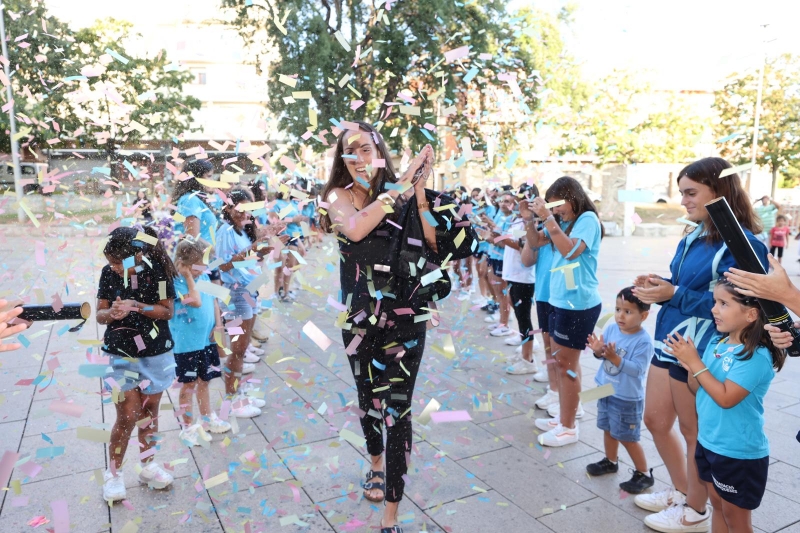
<point x="778" y="249"/>
<point x="478" y="255"/>
<point x="215" y="275"/>
<point x="656" y="362"/>
<point x="738" y="481"/>
<point x="570" y="328"/>
<point x="295" y="241"/>
<point x="677" y="372"/>
<point x="497" y="267"/>
<point x="194" y="365"/>
<point x="543" y="312"/>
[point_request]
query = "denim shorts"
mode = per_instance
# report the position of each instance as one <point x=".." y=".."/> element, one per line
<point x="239" y="306"/>
<point x="621" y="418"/>
<point x="129" y="373"/>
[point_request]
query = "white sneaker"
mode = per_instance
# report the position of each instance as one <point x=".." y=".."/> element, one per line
<point x="679" y="518"/>
<point x="189" y="436"/>
<point x="518" y="351"/>
<point x="549" y="398"/>
<point x="258" y="402"/>
<point x="555" y="410"/>
<point x="463" y="295"/>
<point x="658" y="501"/>
<point x="521" y="366"/>
<point x="244" y="410"/>
<point x="541" y="376"/>
<point x="155" y="477"/>
<point x="113" y="487"/>
<point x="260" y="330"/>
<point x="490" y="319"/>
<point x="255" y="350"/>
<point x="248" y="368"/>
<point x="480" y="300"/>
<point x="546" y="424"/>
<point x="513" y="340"/>
<point x="250" y="357"/>
<point x="254" y="342"/>
<point x="292" y="295"/>
<point x="216" y="425"/>
<point x="559" y="436"/>
<point x="501" y="331"/>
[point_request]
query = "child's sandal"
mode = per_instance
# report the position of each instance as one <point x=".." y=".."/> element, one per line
<point x="372" y="485"/>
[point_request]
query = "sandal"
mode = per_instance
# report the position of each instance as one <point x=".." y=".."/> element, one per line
<point x="393" y="529"/>
<point x="379" y="485"/>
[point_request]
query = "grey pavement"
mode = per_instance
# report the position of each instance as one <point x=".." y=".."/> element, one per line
<point x="288" y="470"/>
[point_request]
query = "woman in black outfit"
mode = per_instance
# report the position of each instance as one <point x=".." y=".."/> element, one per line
<point x="387" y="345"/>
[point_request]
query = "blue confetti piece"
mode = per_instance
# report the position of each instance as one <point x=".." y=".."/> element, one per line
<point x="410" y="344"/>
<point x="49" y="452"/>
<point x="133" y="171"/>
<point x="101" y="170"/>
<point x="363" y="182"/>
<point x="377" y="365"/>
<point x="63" y="330"/>
<point x="378" y="295"/>
<point x="572" y="374"/>
<point x="349" y="156"/>
<point x="119" y="210"/>
<point x="129" y="262"/>
<point x="426" y="134"/>
<point x="471" y="74"/>
<point x="92" y="371"/>
<point x="23" y="340"/>
<point x="121" y="59"/>
<point x="430" y="219"/>
<point x="46" y="438"/>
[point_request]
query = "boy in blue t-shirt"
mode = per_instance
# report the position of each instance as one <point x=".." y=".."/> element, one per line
<point x="625" y="348"/>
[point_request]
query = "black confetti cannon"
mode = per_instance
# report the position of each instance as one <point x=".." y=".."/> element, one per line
<point x="746" y="259"/>
<point x="33" y="313"/>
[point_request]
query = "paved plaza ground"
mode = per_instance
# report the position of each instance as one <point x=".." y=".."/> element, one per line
<point x="288" y="470"/>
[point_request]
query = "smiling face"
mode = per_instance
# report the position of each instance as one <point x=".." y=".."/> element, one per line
<point x="360" y="149"/>
<point x="239" y="218"/>
<point x="694" y="197"/>
<point x="729" y="315"/>
<point x="507" y="204"/>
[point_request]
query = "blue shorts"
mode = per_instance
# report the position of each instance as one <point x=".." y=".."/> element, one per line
<point x="570" y="328"/>
<point x="497" y="267"/>
<point x="130" y="373"/>
<point x="295" y="241"/>
<point x="194" y="365"/>
<point x="215" y="275"/>
<point x="543" y="312"/>
<point x="241" y="307"/>
<point x="738" y="481"/>
<point x="621" y="418"/>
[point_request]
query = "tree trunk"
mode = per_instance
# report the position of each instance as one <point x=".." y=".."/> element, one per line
<point x="774" y="180"/>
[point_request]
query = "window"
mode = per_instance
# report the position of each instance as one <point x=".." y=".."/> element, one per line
<point x="201" y="78"/>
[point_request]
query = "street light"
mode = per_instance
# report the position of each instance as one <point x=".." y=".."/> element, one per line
<point x="11" y="117"/>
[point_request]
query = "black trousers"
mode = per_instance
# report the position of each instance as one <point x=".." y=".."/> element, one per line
<point x="385" y="377"/>
<point x="521" y="300"/>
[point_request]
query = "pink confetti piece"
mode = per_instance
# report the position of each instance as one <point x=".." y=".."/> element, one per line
<point x="68" y="409"/>
<point x="6" y="466"/>
<point x="30" y="469"/>
<point x="57" y="304"/>
<point x="38" y="521"/>
<point x="39" y="253"/>
<point x="450" y="416"/>
<point x="336" y="305"/>
<point x="128" y="505"/>
<point x="316" y="335"/>
<point x="353" y="346"/>
<point x="546" y="454"/>
<point x="295" y="493"/>
<point x="144" y="384"/>
<point x="456" y="53"/>
<point x="60" y="516"/>
<point x="378" y="163"/>
<point x="139" y="342"/>
<point x="404" y="311"/>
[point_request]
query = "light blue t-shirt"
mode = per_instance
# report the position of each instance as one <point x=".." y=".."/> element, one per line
<point x="230" y="243"/>
<point x="544" y="262"/>
<point x="736" y="432"/>
<point x="189" y="205"/>
<point x="502" y="223"/>
<point x="309" y="210"/>
<point x="584" y="295"/>
<point x="490" y="211"/>
<point x="292" y="228"/>
<point x="191" y="327"/>
<point x="635" y="350"/>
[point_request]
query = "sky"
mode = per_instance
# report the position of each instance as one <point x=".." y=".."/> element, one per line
<point x="680" y="44"/>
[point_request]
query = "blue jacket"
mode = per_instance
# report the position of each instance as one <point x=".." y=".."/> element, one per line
<point x="688" y="312"/>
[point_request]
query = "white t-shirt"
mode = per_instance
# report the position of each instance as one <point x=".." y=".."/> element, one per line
<point x="513" y="269"/>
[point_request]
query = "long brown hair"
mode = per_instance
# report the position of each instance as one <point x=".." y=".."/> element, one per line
<point x="340" y="176"/>
<point x="122" y="243"/>
<point x="571" y="190"/>
<point x="707" y="171"/>
<point x="753" y="335"/>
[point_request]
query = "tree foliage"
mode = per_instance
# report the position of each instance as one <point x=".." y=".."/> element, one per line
<point x="779" y="123"/>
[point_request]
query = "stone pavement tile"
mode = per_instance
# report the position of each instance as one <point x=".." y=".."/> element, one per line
<point x="528" y="484"/>
<point x="487" y="381"/>
<point x="775" y="512"/>
<point x="177" y="508"/>
<point x="784" y="480"/>
<point x="218" y="458"/>
<point x="520" y="432"/>
<point x="784" y="448"/>
<point x="78" y="455"/>
<point x="793" y="410"/>
<point x="327" y="469"/>
<point x="593" y="436"/>
<point x="607" y="487"/>
<point x="593" y="515"/>
<point x="264" y="507"/>
<point x="435" y="478"/>
<point x="460" y="439"/>
<point x="794" y="528"/>
<point x="485" y="512"/>
<point x="10" y="376"/>
<point x="44" y="420"/>
<point x="16" y="405"/>
<point x="776" y="400"/>
<point x="67" y="384"/>
<point x="362" y="516"/>
<point x="87" y="510"/>
<point x="785" y="386"/>
<point x="11" y="435"/>
<point x="18" y="359"/>
<point x="432" y="381"/>
<point x="781" y="421"/>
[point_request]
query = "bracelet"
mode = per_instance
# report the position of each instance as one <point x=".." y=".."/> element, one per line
<point x="424" y="206"/>
<point x="386" y="199"/>
<point x="548" y="219"/>
<point x="700" y="372"/>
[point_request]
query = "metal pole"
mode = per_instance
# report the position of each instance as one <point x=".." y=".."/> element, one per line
<point x="761" y="70"/>
<point x="11" y="117"/>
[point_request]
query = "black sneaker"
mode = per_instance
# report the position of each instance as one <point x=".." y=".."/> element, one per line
<point x="638" y="483"/>
<point x="602" y="467"/>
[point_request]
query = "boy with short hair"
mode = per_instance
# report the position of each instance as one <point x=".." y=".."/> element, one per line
<point x="625" y="348"/>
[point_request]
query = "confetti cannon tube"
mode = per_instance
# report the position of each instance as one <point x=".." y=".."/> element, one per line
<point x="33" y="313"/>
<point x="732" y="233"/>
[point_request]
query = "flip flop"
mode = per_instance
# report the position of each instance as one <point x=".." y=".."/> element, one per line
<point x="379" y="485"/>
<point x="393" y="529"/>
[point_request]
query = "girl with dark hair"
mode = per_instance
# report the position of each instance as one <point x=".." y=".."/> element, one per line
<point x="355" y="202"/>
<point x="134" y="299"/>
<point x="730" y="382"/>
<point x="236" y="239"/>
<point x="686" y="301"/>
<point x="198" y="219"/>
<point x="574" y="297"/>
<point x="142" y="205"/>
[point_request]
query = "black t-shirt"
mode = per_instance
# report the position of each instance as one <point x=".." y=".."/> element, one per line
<point x="121" y="336"/>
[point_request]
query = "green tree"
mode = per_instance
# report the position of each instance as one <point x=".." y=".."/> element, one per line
<point x="779" y="123"/>
<point x="624" y="121"/>
<point x="356" y="60"/>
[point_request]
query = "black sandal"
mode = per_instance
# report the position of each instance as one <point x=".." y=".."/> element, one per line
<point x="379" y="485"/>
<point x="393" y="529"/>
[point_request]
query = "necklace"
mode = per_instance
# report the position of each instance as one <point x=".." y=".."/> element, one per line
<point x="732" y="348"/>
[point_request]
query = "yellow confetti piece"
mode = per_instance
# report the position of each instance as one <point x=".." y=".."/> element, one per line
<point x="597" y="393"/>
<point x="28" y="212"/>
<point x="216" y="480"/>
<point x="409" y="110"/>
<point x="550" y="205"/>
<point x="94" y="435"/>
<point x="352" y="438"/>
<point x="144" y="237"/>
<point x="214" y="184"/>
<point x="286" y="80"/>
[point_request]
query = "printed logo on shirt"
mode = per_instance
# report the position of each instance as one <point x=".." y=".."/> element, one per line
<point x="724" y="487"/>
<point x="727" y="361"/>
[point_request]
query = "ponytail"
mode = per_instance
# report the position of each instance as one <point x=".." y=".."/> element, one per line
<point x="158" y="253"/>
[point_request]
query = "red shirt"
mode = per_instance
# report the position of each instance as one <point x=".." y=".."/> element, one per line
<point x="778" y="236"/>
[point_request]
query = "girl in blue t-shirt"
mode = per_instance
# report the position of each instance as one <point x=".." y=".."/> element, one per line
<point x="287" y="212"/>
<point x="196" y="355"/>
<point x="197" y="217"/>
<point x="730" y="382"/>
<point x="574" y="297"/>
